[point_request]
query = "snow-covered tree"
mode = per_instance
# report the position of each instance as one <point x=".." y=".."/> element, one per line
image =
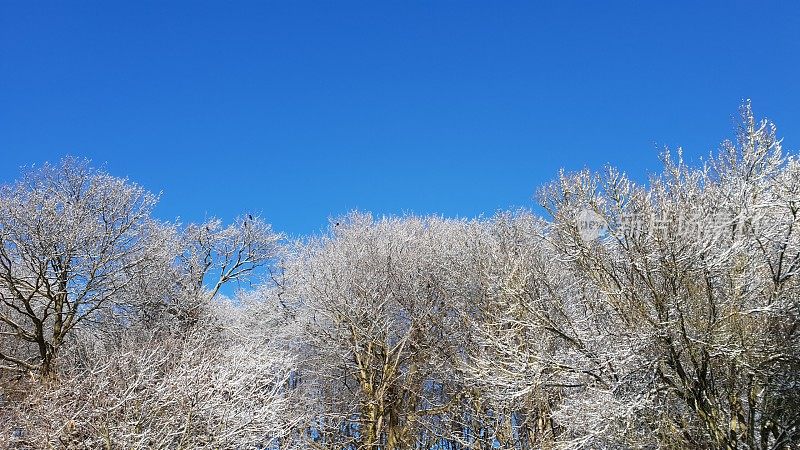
<point x="72" y="241"/>
<point x="658" y="315"/>
<point x="670" y="316"/>
<point x="380" y="325"/>
<point x="223" y="383"/>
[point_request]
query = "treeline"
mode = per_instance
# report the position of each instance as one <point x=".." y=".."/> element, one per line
<point x="662" y="315"/>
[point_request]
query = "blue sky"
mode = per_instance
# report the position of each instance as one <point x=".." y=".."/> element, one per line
<point x="304" y="110"/>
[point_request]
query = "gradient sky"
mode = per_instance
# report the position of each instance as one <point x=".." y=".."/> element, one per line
<point x="301" y="111"/>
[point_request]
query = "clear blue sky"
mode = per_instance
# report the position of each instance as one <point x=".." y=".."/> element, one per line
<point x="300" y="111"/>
